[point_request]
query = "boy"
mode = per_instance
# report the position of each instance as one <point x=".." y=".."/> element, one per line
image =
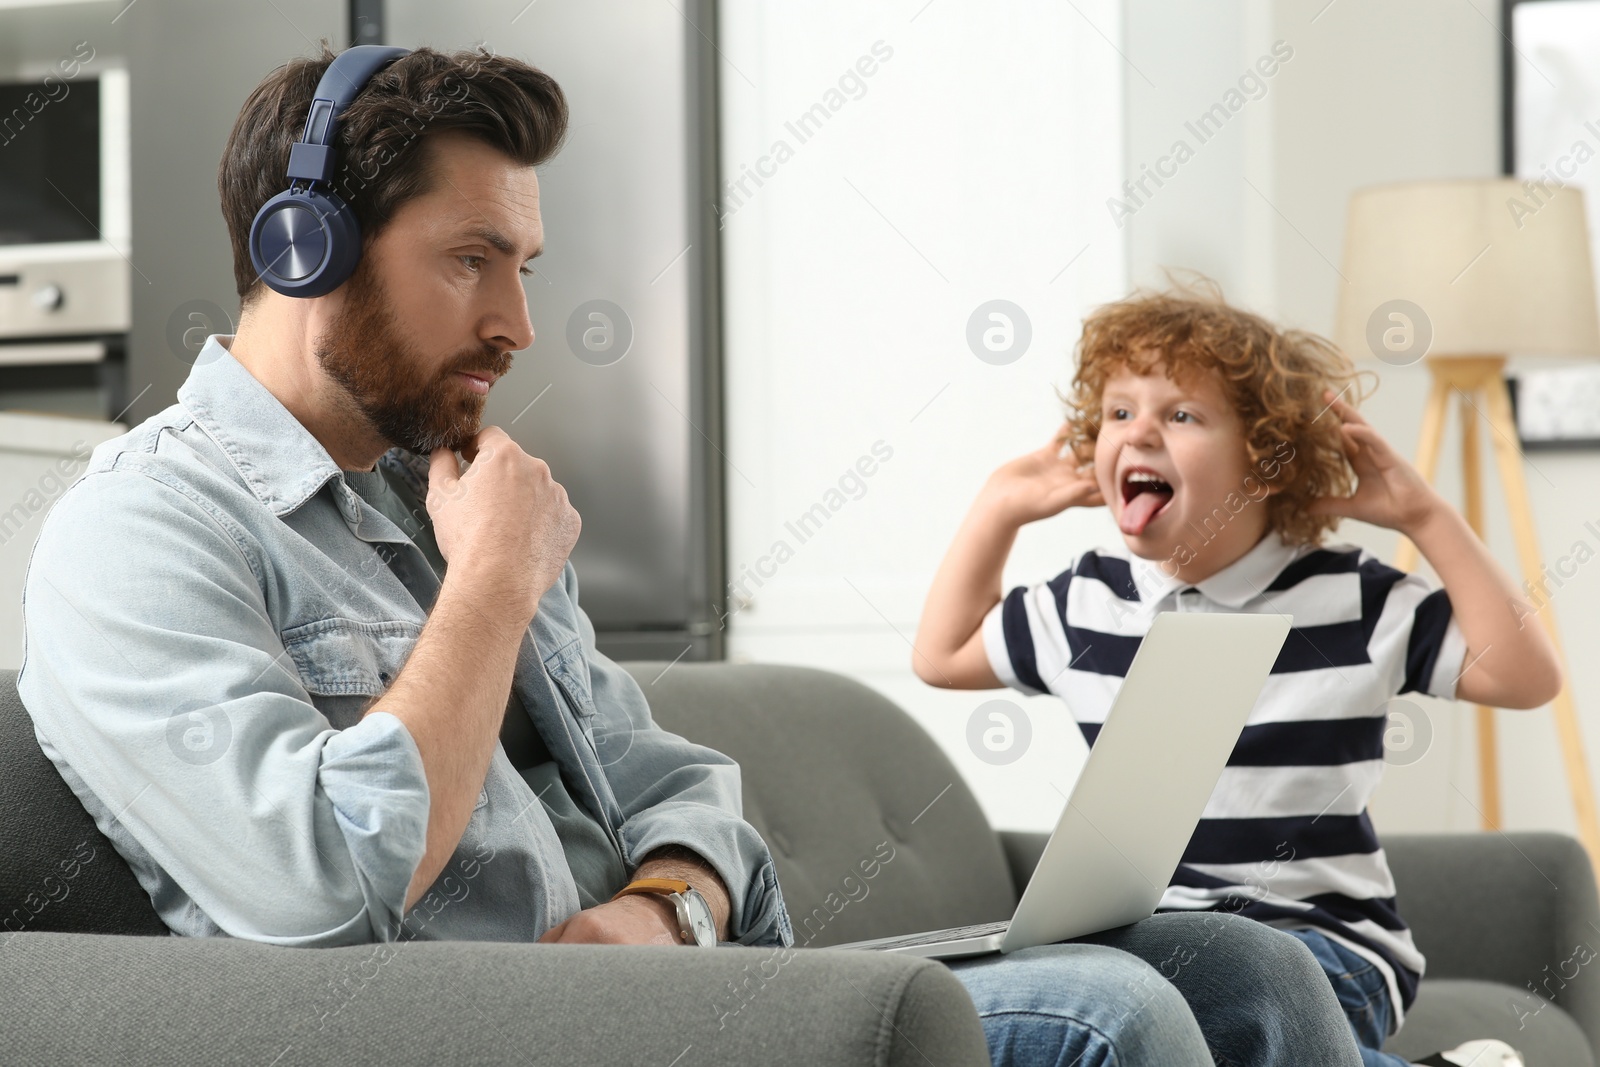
<point x="1225" y="450"/>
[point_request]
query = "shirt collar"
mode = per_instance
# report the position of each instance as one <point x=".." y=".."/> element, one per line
<point x="279" y="459"/>
<point x="1233" y="586"/>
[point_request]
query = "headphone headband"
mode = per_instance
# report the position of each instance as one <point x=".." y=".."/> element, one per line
<point x="311" y="157"/>
<point x="306" y="241"/>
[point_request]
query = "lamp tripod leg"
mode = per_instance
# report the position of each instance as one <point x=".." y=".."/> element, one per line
<point x="1509" y="458"/>
<point x="1428" y="444"/>
<point x="1472" y="509"/>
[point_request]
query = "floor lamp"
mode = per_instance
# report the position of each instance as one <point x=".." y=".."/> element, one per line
<point x="1459" y="275"/>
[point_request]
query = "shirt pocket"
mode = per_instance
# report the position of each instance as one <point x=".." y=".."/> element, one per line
<point x="344" y="662"/>
<point x="568" y="669"/>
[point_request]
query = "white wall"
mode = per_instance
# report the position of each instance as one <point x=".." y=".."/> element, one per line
<point x="1182" y="60"/>
<point x="973" y="167"/>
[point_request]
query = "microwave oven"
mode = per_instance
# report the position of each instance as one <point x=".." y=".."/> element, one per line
<point x="65" y="221"/>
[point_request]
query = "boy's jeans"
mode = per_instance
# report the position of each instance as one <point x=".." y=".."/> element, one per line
<point x="1173" y="990"/>
<point x="1362" y="993"/>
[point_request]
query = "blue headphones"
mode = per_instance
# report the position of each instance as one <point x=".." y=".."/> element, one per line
<point x="305" y="242"/>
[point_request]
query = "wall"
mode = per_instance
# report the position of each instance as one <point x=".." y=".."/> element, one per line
<point x="970" y="165"/>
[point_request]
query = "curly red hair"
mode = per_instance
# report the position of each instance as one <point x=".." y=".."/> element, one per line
<point x="1274" y="379"/>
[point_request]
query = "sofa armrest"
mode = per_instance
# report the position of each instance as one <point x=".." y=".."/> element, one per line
<point x="1023" y="849"/>
<point x="119" y="999"/>
<point x="1518" y="908"/>
<point x="105" y="998"/>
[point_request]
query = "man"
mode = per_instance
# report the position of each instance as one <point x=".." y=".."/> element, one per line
<point x="321" y="686"/>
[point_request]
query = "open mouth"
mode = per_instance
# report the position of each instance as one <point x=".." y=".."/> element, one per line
<point x="1145" y="494"/>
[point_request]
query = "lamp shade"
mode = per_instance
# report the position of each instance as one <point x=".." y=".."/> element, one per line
<point x="1467" y="268"/>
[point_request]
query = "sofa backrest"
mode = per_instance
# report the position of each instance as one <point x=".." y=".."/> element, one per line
<point x="871" y="826"/>
<point x="59" y="872"/>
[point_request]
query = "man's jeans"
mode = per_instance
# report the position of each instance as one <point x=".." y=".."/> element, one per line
<point x="1171" y="991"/>
<point x="1363" y="994"/>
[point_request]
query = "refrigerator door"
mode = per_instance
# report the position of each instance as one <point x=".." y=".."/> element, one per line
<point x="619" y="391"/>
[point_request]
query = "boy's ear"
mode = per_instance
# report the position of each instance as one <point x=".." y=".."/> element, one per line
<point x="1265" y="480"/>
<point x="1257" y="488"/>
<point x="1269" y="469"/>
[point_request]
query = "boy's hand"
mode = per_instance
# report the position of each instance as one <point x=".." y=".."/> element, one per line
<point x="1389" y="491"/>
<point x="1041" y="484"/>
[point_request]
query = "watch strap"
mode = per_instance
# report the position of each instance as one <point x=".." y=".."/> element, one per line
<point x="661" y="886"/>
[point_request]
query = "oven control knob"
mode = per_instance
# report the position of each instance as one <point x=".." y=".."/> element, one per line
<point x="48" y="297"/>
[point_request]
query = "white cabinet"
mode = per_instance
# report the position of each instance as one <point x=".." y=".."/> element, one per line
<point x="40" y="456"/>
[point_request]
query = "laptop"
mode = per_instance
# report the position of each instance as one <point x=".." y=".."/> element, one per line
<point x="1153" y="767"/>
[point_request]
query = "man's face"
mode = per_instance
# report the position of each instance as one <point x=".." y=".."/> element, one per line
<point x="1170" y="458"/>
<point x="437" y="298"/>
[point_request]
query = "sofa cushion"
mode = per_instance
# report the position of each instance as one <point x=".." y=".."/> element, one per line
<point x="871" y="826"/>
<point x="60" y="873"/>
<point x="1451" y="1010"/>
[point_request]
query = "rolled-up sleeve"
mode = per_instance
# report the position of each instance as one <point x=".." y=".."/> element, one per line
<point x="153" y="667"/>
<point x="675" y="792"/>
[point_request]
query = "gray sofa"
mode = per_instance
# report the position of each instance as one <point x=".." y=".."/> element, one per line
<point x="874" y="833"/>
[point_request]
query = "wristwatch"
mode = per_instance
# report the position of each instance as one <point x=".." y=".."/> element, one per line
<point x="696" y="926"/>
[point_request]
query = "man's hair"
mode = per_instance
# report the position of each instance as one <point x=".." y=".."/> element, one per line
<point x="379" y="161"/>
<point x="1274" y="379"/>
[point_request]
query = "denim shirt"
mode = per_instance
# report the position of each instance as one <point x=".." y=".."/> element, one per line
<point x="207" y="614"/>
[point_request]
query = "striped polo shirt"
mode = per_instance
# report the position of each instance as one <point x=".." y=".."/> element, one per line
<point x="1285" y="838"/>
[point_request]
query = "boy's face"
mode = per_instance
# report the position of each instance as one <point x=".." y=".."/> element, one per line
<point x="1171" y="462"/>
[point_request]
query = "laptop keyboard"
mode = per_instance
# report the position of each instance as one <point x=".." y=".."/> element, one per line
<point x="955" y="933"/>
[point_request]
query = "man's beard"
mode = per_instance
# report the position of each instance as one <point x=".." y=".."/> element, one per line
<point x="390" y="383"/>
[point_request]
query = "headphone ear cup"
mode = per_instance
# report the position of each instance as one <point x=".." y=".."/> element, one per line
<point x="305" y="242"/>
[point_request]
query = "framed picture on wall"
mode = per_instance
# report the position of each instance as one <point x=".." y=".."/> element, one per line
<point x="1557" y="408"/>
<point x="1550" y="127"/>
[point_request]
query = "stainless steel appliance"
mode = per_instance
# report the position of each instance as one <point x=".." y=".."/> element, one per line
<point x="620" y="391"/>
<point x="64" y="225"/>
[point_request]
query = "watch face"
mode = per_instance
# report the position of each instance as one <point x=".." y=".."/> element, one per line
<point x="701" y="924"/>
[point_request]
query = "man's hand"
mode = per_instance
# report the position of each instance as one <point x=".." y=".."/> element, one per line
<point x="648" y="918"/>
<point x="504" y="524"/>
<point x="637" y="919"/>
<point x="1040" y="484"/>
<point x="1389" y="491"/>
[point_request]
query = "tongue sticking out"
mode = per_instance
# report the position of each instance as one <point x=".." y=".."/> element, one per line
<point x="1138" y="510"/>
